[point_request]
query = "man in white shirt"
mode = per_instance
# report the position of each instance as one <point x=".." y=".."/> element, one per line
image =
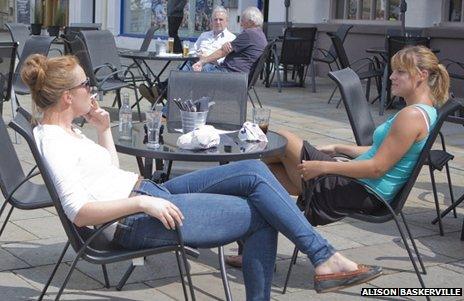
<point x="210" y="41"/>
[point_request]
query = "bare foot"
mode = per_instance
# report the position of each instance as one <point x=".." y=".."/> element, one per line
<point x="335" y="264"/>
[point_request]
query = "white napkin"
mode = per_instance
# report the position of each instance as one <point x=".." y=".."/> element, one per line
<point x="251" y="132"/>
<point x="202" y="137"/>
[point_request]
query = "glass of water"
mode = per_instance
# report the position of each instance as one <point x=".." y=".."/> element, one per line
<point x="153" y="123"/>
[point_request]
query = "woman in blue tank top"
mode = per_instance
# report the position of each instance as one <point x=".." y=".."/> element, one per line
<point x="383" y="167"/>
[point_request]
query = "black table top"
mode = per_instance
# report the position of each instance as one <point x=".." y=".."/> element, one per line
<point x="150" y="55"/>
<point x="229" y="149"/>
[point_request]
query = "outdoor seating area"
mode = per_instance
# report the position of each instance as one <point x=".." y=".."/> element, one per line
<point x="416" y="237"/>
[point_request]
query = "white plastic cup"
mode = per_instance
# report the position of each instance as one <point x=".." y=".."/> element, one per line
<point x="192" y="120"/>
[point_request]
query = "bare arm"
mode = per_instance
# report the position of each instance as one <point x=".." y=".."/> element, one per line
<point x="409" y="127"/>
<point x="213" y="57"/>
<point x="352" y="151"/>
<point x="96" y="213"/>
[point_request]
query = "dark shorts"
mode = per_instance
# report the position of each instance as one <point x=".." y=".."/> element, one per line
<point x="335" y="197"/>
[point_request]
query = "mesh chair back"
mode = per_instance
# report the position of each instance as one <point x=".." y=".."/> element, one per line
<point x="102" y="50"/>
<point x="259" y="65"/>
<point x="33" y="45"/>
<point x="298" y="45"/>
<point x="356" y="105"/>
<point x="339" y="50"/>
<point x="274" y="30"/>
<point x="21" y="125"/>
<point x="11" y="172"/>
<point x="71" y="32"/>
<point x="7" y="62"/>
<point x="341" y="33"/>
<point x="227" y="89"/>
<point x="19" y="33"/>
<point x="148" y="37"/>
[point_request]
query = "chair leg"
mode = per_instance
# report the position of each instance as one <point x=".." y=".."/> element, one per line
<point x="225" y="281"/>
<point x="435" y="197"/>
<point x="251" y="99"/>
<point x="313" y="75"/>
<point x="331" y="95"/>
<point x="447" y="210"/>
<point x="411" y="257"/>
<point x="413" y="242"/>
<point x="105" y="276"/>
<point x="184" y="259"/>
<point x="182" y="280"/>
<point x="124" y="278"/>
<point x="368" y="89"/>
<point x="450" y="186"/>
<point x="44" y="290"/>
<point x="462" y="231"/>
<point x="66" y="279"/>
<point x="292" y="263"/>
<point x="257" y="98"/>
<point x="7" y="217"/>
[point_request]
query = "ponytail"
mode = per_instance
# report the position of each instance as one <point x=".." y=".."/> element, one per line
<point x="439" y="83"/>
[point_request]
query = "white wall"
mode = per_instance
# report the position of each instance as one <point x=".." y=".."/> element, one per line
<point x="423" y="13"/>
<point x="276" y="11"/>
<point x="80" y="11"/>
<point x="300" y="11"/>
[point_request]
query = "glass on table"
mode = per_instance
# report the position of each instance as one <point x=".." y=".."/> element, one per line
<point x="185" y="48"/>
<point x="171" y="45"/>
<point x="153" y="124"/>
<point x="261" y="117"/>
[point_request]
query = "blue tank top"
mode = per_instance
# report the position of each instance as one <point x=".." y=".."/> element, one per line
<point x="393" y="180"/>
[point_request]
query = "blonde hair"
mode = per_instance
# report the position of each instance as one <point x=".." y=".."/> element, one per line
<point x="48" y="78"/>
<point x="416" y="58"/>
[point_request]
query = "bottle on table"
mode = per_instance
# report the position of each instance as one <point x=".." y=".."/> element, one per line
<point x="125" y="119"/>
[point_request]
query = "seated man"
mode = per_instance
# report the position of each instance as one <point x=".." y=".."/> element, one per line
<point x="243" y="52"/>
<point x="210" y="41"/>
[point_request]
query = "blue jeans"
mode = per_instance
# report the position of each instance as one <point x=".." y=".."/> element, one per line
<point x="206" y="68"/>
<point x="241" y="200"/>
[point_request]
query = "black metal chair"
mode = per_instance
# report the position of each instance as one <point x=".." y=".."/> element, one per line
<point x="16" y="186"/>
<point x="19" y="33"/>
<point x="330" y="56"/>
<point x="455" y="68"/>
<point x="257" y="69"/>
<point x="297" y="51"/>
<point x="227" y="89"/>
<point x="363" y="127"/>
<point x="390" y="211"/>
<point x="88" y="243"/>
<point x="33" y="45"/>
<point x="96" y="50"/>
<point x="7" y="63"/>
<point x="275" y="30"/>
<point x="85" y="26"/>
<point x="373" y="69"/>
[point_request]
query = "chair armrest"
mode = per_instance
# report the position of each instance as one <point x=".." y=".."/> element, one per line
<point x="325" y="52"/>
<point x="106" y="65"/>
<point x="29" y="176"/>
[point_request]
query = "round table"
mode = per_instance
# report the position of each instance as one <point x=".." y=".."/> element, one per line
<point x="230" y="149"/>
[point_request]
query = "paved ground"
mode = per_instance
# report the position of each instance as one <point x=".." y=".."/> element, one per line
<point x="33" y="240"/>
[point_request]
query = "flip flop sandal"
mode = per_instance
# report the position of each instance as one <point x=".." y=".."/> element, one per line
<point x="146" y="93"/>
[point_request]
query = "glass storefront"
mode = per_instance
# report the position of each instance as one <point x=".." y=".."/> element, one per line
<point x="139" y="15"/>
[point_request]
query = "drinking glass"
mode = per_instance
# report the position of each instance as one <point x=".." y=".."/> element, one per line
<point x="153" y="123"/>
<point x="171" y="45"/>
<point x="185" y="48"/>
<point x="261" y="117"/>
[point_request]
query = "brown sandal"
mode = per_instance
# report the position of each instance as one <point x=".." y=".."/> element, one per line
<point x="337" y="281"/>
<point x="234" y="261"/>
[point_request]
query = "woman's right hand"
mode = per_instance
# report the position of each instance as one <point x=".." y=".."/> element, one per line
<point x="330" y="149"/>
<point x="163" y="210"/>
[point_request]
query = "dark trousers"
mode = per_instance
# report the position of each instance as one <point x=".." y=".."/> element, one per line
<point x="334" y="197"/>
<point x="173" y="29"/>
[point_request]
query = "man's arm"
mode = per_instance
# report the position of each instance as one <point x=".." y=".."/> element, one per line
<point x="213" y="57"/>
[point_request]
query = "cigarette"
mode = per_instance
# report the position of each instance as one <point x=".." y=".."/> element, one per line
<point x="94" y="102"/>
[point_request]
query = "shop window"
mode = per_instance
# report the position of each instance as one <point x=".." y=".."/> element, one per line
<point x="366" y="9"/>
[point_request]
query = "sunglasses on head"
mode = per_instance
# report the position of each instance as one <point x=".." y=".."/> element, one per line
<point x="85" y="84"/>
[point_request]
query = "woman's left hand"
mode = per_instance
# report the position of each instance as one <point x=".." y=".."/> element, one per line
<point x="99" y="118"/>
<point x="310" y="169"/>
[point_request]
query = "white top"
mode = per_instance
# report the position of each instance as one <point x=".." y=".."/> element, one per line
<point x="81" y="169"/>
<point x="208" y="43"/>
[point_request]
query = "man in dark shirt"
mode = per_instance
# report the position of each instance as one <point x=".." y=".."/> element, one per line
<point x="242" y="53"/>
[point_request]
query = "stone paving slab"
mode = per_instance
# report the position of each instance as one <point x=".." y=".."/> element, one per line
<point x="14" y="288"/>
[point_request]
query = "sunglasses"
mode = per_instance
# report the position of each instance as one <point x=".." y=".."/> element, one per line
<point x="85" y="84"/>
